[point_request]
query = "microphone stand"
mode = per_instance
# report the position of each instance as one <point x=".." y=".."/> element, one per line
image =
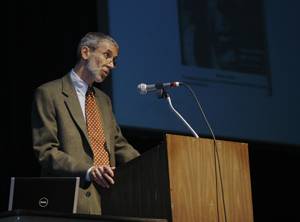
<point x="164" y="94"/>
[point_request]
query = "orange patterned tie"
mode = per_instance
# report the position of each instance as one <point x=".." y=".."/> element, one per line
<point x="95" y="129"/>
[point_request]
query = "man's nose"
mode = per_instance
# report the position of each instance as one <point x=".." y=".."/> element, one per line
<point x="111" y="64"/>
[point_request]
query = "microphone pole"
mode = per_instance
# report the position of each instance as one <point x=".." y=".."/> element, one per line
<point x="166" y="96"/>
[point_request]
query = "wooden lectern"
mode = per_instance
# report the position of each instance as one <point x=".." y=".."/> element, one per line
<point x="182" y="180"/>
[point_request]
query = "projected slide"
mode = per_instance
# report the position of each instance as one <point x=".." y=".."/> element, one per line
<point x="227" y="51"/>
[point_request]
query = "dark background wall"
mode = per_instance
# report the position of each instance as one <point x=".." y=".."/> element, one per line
<point x="42" y="39"/>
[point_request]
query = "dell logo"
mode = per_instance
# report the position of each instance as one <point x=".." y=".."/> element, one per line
<point x="43" y="202"/>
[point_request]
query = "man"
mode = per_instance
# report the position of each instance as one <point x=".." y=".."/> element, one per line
<point x="74" y="130"/>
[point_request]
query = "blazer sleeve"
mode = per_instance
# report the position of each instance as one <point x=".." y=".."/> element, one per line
<point x="53" y="160"/>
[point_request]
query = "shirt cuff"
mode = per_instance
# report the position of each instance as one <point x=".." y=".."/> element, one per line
<point x="87" y="175"/>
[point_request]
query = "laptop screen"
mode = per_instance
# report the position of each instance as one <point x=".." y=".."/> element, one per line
<point x="56" y="194"/>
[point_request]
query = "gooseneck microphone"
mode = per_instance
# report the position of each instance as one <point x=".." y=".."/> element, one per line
<point x="145" y="88"/>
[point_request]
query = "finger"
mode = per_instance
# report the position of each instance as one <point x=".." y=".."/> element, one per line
<point x="95" y="178"/>
<point x="107" y="173"/>
<point x="108" y="169"/>
<point x="99" y="173"/>
<point x="100" y="169"/>
<point x="108" y="178"/>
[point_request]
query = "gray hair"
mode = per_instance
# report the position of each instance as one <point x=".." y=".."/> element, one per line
<point x="92" y="40"/>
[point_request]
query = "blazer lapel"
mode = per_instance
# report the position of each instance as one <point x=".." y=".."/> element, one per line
<point x="73" y="105"/>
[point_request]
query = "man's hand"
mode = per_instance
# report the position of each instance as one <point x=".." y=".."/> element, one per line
<point x="102" y="175"/>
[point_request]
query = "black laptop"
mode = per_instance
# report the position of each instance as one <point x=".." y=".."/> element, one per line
<point x="53" y="194"/>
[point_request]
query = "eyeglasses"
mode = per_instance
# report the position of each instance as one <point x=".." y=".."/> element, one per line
<point x="109" y="58"/>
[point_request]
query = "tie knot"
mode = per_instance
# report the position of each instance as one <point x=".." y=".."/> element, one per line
<point x="90" y="91"/>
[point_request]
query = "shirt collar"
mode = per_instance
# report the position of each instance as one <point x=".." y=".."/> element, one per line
<point x="80" y="85"/>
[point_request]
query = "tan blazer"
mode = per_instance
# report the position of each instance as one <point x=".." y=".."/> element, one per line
<point x="60" y="138"/>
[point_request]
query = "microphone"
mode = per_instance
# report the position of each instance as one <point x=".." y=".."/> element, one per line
<point x="145" y="88"/>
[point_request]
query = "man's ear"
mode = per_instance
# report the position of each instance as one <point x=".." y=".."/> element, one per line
<point x="85" y="52"/>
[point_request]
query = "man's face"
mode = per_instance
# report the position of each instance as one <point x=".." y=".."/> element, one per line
<point x="102" y="60"/>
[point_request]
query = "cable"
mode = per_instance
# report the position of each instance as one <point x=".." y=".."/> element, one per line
<point x="216" y="154"/>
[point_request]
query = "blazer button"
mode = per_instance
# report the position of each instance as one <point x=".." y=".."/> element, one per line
<point x="88" y="194"/>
